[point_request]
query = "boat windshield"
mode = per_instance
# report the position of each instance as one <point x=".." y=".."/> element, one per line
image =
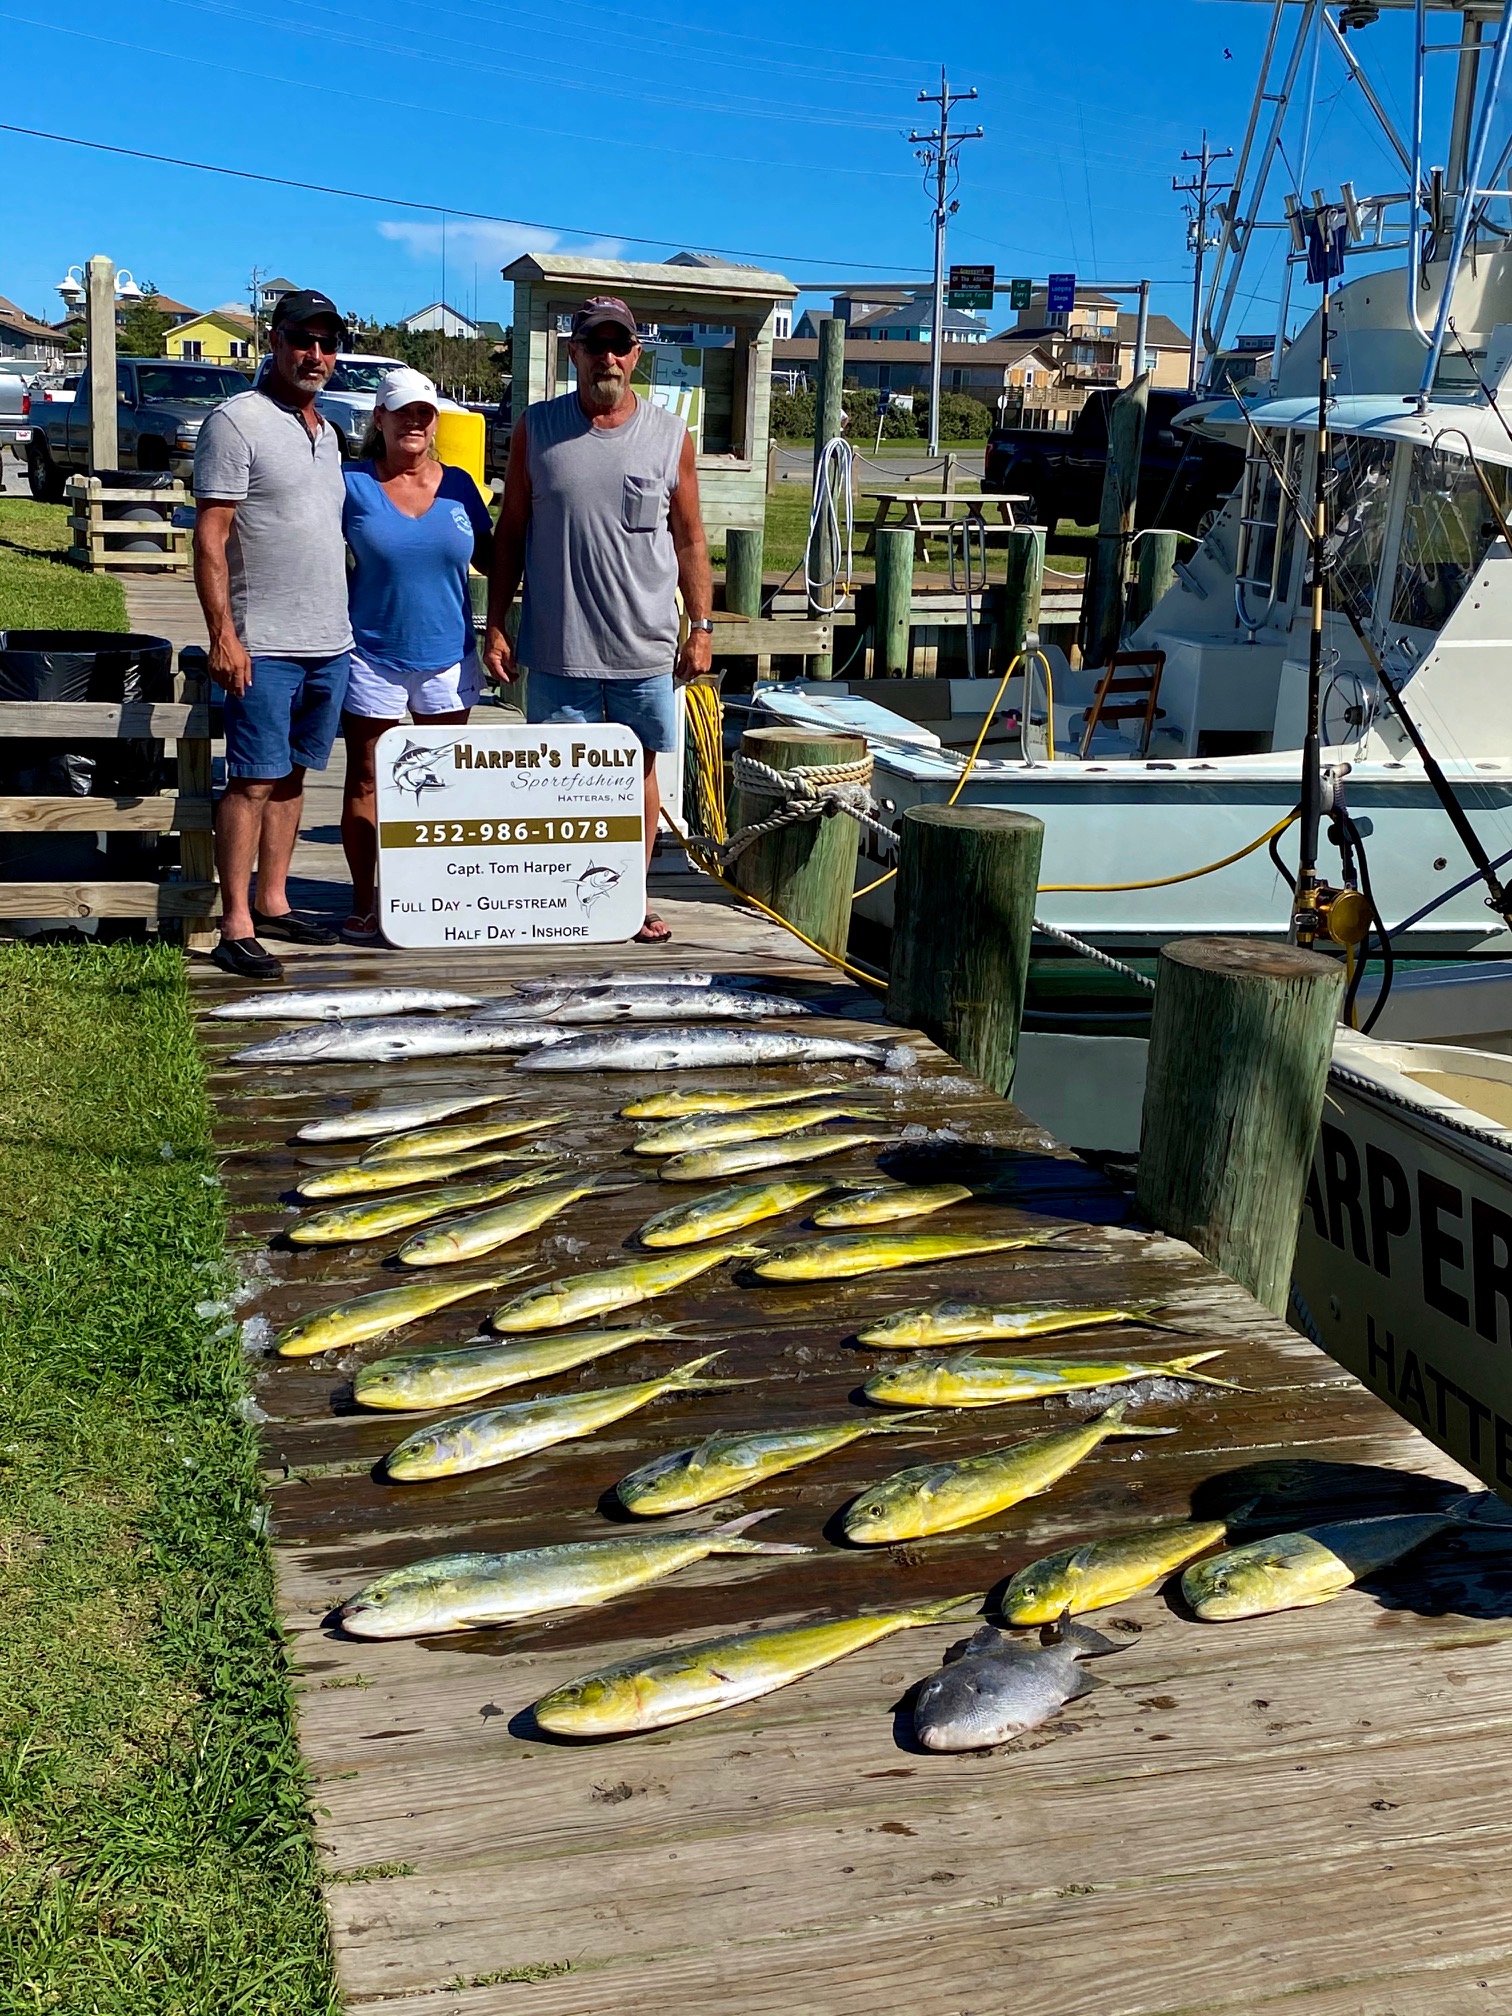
<point x="1268" y="524"/>
<point x="1446" y="535"/>
<point x="1358" y="486"/>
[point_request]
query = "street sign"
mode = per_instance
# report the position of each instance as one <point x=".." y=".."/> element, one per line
<point x="510" y="835"/>
<point x="971" y="286"/>
<point x="1060" y="294"/>
<point x="1020" y="293"/>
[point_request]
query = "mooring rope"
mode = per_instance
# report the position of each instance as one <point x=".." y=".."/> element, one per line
<point x="806" y="792"/>
<point x="1091" y="952"/>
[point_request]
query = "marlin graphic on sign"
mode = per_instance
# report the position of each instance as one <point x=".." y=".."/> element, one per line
<point x="417" y="768"/>
<point x="596" y="883"/>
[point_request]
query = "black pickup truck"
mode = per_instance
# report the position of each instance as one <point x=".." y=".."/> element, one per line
<point x="1183" y="479"/>
<point x="161" y="404"/>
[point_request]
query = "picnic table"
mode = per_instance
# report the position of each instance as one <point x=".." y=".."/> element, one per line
<point x="954" y="505"/>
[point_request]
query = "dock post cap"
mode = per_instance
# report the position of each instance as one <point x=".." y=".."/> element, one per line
<point x="978" y="818"/>
<point x="1248" y="956"/>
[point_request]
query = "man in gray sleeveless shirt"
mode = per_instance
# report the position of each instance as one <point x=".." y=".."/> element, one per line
<point x="600" y="519"/>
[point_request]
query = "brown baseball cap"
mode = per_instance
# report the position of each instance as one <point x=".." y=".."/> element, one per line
<point x="602" y="311"/>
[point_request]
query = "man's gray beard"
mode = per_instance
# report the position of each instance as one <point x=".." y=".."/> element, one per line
<point x="605" y="392"/>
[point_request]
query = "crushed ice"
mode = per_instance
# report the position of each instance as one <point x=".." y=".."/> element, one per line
<point x="256" y="1336"/>
<point x="249" y="1411"/>
<point x="207" y="1310"/>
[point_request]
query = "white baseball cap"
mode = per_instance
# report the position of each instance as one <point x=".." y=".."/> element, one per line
<point x="406" y="387"/>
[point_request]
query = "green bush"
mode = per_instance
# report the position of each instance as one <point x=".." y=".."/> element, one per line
<point x="962" y="418"/>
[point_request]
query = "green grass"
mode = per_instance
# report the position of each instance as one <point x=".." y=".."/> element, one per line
<point x="39" y="590"/>
<point x="155" y="1850"/>
<point x="787" y="520"/>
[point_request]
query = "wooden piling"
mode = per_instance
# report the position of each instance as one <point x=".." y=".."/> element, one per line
<point x="828" y="424"/>
<point x="963" y="920"/>
<point x="743" y="554"/>
<point x="1023" y="583"/>
<point x="805" y="872"/>
<point x="1155" y="570"/>
<point x="1239" y="1051"/>
<point x="1107" y="571"/>
<point x="894" y="601"/>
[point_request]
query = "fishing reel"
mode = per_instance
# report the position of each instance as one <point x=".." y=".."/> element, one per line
<point x="1322" y="911"/>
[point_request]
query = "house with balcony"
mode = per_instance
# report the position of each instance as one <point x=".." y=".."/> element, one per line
<point x="993" y="371"/>
<point x="23" y="336"/>
<point x="222" y="336"/>
<point x="1093" y="343"/>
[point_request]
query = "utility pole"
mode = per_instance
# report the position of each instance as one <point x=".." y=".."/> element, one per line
<point x="254" y="296"/>
<point x="1203" y="192"/>
<point x="938" y="151"/>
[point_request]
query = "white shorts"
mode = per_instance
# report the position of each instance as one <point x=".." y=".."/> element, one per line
<point x="384" y="693"/>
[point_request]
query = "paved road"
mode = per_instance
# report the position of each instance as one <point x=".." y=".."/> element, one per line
<point x="12" y="475"/>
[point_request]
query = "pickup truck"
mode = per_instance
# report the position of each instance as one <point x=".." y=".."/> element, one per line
<point x="1183" y="480"/>
<point x="161" y="404"/>
<point x="16" y="375"/>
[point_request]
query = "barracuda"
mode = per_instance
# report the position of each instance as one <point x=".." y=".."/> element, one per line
<point x="710" y="1049"/>
<point x="939" y="1497"/>
<point x="323" y="1004"/>
<point x="682" y="1105"/>
<point x="375" y="1315"/>
<point x="577" y="1297"/>
<point x="847" y="1255"/>
<point x="887" y="1202"/>
<point x="504" y="1434"/>
<point x="471" y="1238"/>
<point x="726" y="1211"/>
<point x="385" y="1120"/>
<point x="705" y="1163"/>
<point x="468" y="1592"/>
<point x="584" y="1007"/>
<point x="416" y="1381"/>
<point x="1295" y="1571"/>
<point x="364" y="1179"/>
<point x="353" y="1223"/>
<point x="424" y="1143"/>
<point x="953" y="1321"/>
<point x="968" y="1381"/>
<point x="726" y="1464"/>
<point x="681" y="1137"/>
<point x="390" y="1042"/>
<point x="1100" y="1572"/>
<point x="694" y="1680"/>
<point x="627" y="976"/>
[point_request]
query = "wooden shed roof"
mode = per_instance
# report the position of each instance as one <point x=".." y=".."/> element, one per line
<point x="605" y="276"/>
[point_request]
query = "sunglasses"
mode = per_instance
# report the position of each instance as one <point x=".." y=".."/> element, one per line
<point x="306" y="339"/>
<point x="615" y="341"/>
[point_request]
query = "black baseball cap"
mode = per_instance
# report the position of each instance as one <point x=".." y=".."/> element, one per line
<point x="603" y="311"/>
<point x="308" y="305"/>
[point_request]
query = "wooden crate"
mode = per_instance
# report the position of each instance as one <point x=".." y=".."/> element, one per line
<point x="92" y="529"/>
<point x="186" y="906"/>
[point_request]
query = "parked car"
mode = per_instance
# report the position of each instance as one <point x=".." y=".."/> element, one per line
<point x="16" y="374"/>
<point x="350" y="393"/>
<point x="1183" y="480"/>
<point x="161" y="404"/>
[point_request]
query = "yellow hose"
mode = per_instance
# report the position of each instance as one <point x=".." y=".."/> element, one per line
<point x="1164" y="881"/>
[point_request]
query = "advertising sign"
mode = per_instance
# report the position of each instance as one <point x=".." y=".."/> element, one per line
<point x="510" y="835"/>
<point x="971" y="286"/>
<point x="1060" y="294"/>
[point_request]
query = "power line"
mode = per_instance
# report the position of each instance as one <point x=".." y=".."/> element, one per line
<point x="1203" y="192"/>
<point x="939" y="151"/>
<point x="443" y="210"/>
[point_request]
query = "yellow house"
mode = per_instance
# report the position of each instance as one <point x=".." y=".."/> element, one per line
<point x="224" y="336"/>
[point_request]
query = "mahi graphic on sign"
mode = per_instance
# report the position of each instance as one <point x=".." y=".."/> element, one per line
<point x="510" y="836"/>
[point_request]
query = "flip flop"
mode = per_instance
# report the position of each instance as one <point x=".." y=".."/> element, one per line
<point x="296" y="930"/>
<point x="245" y="959"/>
<point x="362" y="930"/>
<point x="655" y="931"/>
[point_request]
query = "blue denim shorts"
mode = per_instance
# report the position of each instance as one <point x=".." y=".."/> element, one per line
<point x="288" y="716"/>
<point x="646" y="706"/>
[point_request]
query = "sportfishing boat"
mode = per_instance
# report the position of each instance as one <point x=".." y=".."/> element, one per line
<point x="1390" y="412"/>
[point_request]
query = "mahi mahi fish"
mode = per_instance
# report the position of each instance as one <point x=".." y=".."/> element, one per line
<point x="323" y="1004"/>
<point x="939" y="1497"/>
<point x="682" y="1105"/>
<point x="467" y="1592"/>
<point x="504" y="1434"/>
<point x="1293" y="1571"/>
<point x="470" y="1238"/>
<point x="694" y="1680"/>
<point x="390" y="1042"/>
<point x="685" y="1137"/>
<point x="1105" y="1571"/>
<point x="702" y="1164"/>
<point x="724" y="1464"/>
<point x="362" y="1179"/>
<point x="953" y="1321"/>
<point x="882" y="1203"/>
<point x="999" y="1688"/>
<point x="375" y="1315"/>
<point x="708" y="1049"/>
<point x="386" y="1120"/>
<point x="966" y="1380"/>
<point x="730" y="1210"/>
<point x="423" y="1143"/>
<point x="577" y="1297"/>
<point x="846" y="1255"/>
<point x="414" y="1381"/>
<point x="613" y="1005"/>
<point x="350" y="1223"/>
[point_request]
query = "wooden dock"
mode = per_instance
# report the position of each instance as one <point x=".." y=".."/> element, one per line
<point x="1305" y="1813"/>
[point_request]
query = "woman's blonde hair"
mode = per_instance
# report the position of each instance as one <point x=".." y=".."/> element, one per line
<point x="371" y="449"/>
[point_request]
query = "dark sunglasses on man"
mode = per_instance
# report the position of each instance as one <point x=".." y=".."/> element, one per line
<point x="601" y="342"/>
<point x="309" y="339"/>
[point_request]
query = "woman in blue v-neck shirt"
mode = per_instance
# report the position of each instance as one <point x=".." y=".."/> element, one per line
<point x="413" y="527"/>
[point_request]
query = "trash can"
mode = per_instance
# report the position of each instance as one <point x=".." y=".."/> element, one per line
<point x="159" y="516"/>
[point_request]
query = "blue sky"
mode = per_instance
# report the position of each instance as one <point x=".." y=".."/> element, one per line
<point x="780" y="135"/>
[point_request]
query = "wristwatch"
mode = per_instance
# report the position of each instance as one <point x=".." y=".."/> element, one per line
<point x="702" y="623"/>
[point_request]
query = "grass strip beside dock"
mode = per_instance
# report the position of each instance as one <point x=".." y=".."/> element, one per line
<point x="155" y="1848"/>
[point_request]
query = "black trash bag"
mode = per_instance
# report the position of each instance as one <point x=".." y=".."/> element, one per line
<point x="159" y="516"/>
<point x="83" y="665"/>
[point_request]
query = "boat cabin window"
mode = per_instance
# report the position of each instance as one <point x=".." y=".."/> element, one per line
<point x="1446" y="534"/>
<point x="1357" y="491"/>
<point x="1267" y="522"/>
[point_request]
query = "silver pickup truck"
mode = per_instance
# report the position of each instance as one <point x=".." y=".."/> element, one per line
<point x="161" y="404"/>
<point x="16" y="374"/>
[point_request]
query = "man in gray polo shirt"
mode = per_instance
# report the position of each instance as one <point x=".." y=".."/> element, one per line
<point x="270" y="570"/>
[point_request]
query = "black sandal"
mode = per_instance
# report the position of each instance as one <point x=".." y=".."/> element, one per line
<point x="293" y="928"/>
<point x="245" y="959"/>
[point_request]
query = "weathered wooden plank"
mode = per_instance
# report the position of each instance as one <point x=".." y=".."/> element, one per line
<point x="106" y="899"/>
<point x="92" y="720"/>
<point x="164" y="814"/>
<point x="786" y="638"/>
